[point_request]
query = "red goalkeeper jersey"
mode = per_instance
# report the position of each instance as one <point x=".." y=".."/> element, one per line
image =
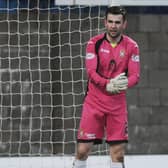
<point x="104" y="62"/>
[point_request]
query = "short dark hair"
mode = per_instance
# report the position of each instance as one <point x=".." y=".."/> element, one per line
<point x="116" y="10"/>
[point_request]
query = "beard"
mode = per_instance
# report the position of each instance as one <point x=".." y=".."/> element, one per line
<point x="114" y="35"/>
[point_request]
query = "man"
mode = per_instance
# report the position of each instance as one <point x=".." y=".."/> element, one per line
<point x="112" y="65"/>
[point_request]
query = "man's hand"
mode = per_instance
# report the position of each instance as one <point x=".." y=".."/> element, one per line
<point x="117" y="84"/>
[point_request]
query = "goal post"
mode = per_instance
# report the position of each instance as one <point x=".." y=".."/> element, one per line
<point x="109" y="2"/>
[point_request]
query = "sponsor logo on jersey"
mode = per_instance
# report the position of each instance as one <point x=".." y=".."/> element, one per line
<point x="90" y="55"/>
<point x="104" y="50"/>
<point x="135" y="58"/>
<point x="90" y="136"/>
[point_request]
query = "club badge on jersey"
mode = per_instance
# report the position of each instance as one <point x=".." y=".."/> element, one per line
<point x="122" y="53"/>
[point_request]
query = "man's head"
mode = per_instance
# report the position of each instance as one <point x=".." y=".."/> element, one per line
<point x="116" y="10"/>
<point x="115" y="22"/>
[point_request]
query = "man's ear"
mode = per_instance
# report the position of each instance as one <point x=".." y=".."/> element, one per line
<point x="125" y="24"/>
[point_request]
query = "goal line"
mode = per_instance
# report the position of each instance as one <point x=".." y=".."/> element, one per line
<point x="138" y="161"/>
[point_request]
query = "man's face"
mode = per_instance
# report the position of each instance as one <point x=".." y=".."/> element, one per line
<point x="114" y="25"/>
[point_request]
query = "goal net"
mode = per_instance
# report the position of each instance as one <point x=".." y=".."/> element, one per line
<point x="43" y="83"/>
<point x="42" y="75"/>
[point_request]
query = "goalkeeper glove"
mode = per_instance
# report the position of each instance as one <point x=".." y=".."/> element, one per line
<point x="117" y="84"/>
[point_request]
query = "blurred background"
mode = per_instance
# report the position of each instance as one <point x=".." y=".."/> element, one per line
<point x="43" y="79"/>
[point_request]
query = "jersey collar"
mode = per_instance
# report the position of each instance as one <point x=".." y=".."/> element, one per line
<point x="105" y="37"/>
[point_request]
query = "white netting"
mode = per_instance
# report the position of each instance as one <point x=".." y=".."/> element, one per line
<point x="42" y="75"/>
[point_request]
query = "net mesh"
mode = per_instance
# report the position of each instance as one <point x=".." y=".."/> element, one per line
<point x="42" y="75"/>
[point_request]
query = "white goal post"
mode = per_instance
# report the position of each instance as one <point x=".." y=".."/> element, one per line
<point x="108" y="2"/>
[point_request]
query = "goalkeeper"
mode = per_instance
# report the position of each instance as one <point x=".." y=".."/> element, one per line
<point x="112" y="65"/>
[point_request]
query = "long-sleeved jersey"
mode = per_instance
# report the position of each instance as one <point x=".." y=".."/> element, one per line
<point x="106" y="62"/>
